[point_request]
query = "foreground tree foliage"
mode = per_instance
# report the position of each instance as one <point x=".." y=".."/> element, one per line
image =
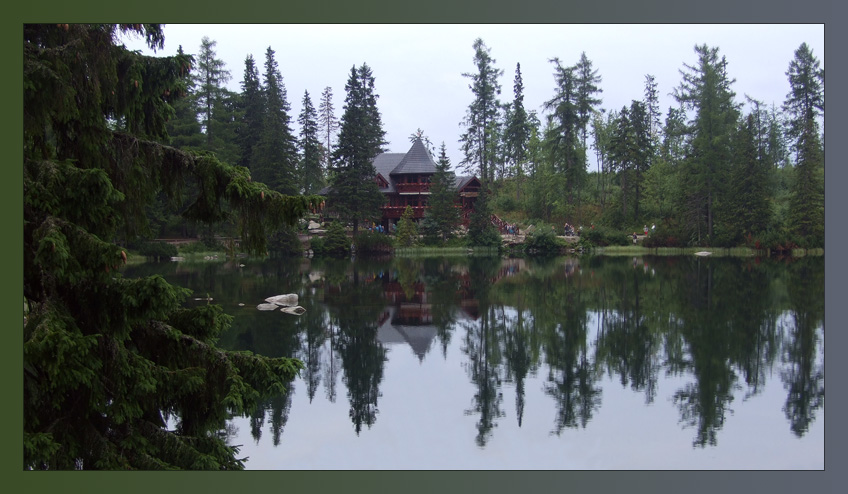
<point x="118" y="374"/>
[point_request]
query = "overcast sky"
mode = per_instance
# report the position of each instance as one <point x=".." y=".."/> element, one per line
<point x="418" y="68"/>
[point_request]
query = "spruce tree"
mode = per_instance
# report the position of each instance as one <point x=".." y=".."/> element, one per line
<point x="652" y="106"/>
<point x="252" y="109"/>
<point x="642" y="149"/>
<point x="586" y="81"/>
<point x="442" y="215"/>
<point x="480" y="115"/>
<point x="209" y="79"/>
<point x="748" y="199"/>
<point x="275" y="155"/>
<point x="109" y="360"/>
<point x="564" y="139"/>
<point x="804" y="106"/>
<point x="225" y="127"/>
<point x="328" y="123"/>
<point x="517" y="132"/>
<point x="354" y="195"/>
<point x="706" y="90"/>
<point x="184" y="130"/>
<point x="310" y="171"/>
<point x="407" y="231"/>
<point x="622" y="159"/>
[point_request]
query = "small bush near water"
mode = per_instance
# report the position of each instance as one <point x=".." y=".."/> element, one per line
<point x="372" y="243"/>
<point x="157" y="250"/>
<point x="601" y="236"/>
<point x="543" y="241"/>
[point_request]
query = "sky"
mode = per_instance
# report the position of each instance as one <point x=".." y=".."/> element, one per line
<point x="418" y="68"/>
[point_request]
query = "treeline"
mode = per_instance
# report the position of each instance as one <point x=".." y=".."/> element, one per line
<point x="254" y="129"/>
<point x="709" y="173"/>
<point x="713" y="170"/>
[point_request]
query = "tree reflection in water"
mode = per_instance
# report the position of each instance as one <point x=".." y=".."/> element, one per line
<point x="723" y="325"/>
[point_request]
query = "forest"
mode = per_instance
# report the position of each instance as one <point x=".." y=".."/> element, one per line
<point x="120" y="147"/>
<point x="715" y="170"/>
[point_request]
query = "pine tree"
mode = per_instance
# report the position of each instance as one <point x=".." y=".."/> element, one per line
<point x="183" y="129"/>
<point x="328" y="123"/>
<point x="107" y="360"/>
<point x="310" y="172"/>
<point x="601" y="135"/>
<point x="748" y="199"/>
<point x="209" y="79"/>
<point x="642" y="149"/>
<point x="275" y="155"/>
<point x="354" y="195"/>
<point x="517" y="132"/>
<point x="252" y="109"/>
<point x="586" y="81"/>
<point x="706" y="90"/>
<point x="652" y="106"/>
<point x="407" y="231"/>
<point x="442" y="215"/>
<point x="481" y="231"/>
<point x="225" y="127"/>
<point x="480" y="115"/>
<point x="622" y="159"/>
<point x="804" y="105"/>
<point x="569" y="157"/>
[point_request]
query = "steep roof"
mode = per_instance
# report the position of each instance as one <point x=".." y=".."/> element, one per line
<point x="417" y="160"/>
<point x="462" y="181"/>
<point x="384" y="164"/>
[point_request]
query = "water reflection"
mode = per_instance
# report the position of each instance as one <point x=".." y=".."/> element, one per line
<point x="718" y="330"/>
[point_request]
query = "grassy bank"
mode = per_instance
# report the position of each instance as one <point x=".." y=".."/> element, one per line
<point x="631" y="250"/>
<point x="444" y="251"/>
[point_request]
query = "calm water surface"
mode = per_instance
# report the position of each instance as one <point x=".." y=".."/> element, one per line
<point x="488" y="363"/>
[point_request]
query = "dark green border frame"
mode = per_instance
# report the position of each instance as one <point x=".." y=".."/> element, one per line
<point x="830" y="13"/>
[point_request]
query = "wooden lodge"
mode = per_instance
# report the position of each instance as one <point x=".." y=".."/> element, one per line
<point x="404" y="179"/>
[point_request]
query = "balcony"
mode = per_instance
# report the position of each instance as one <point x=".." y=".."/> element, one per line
<point x="394" y="212"/>
<point x="414" y="188"/>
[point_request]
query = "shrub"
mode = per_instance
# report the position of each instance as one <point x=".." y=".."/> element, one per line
<point x="664" y="236"/>
<point x="318" y="246"/>
<point x="601" y="236"/>
<point x="336" y="243"/>
<point x="372" y="243"/>
<point x="407" y="232"/>
<point x="285" y="242"/>
<point x="543" y="241"/>
<point x="157" y="250"/>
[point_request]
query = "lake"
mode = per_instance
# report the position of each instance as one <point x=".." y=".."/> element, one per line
<point x="478" y="363"/>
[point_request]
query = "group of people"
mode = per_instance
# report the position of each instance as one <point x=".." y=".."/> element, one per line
<point x="377" y="228"/>
<point x="569" y="230"/>
<point x="645" y="229"/>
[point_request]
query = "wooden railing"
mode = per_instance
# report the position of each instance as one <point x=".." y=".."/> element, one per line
<point x="397" y="211"/>
<point x="414" y="188"/>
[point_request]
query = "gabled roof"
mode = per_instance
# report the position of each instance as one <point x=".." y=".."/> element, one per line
<point x="384" y="164"/>
<point x="417" y="160"/>
<point x="463" y="181"/>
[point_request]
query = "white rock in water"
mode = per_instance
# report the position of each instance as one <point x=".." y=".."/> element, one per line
<point x="267" y="306"/>
<point x="287" y="299"/>
<point x="313" y="226"/>
<point x="298" y="310"/>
